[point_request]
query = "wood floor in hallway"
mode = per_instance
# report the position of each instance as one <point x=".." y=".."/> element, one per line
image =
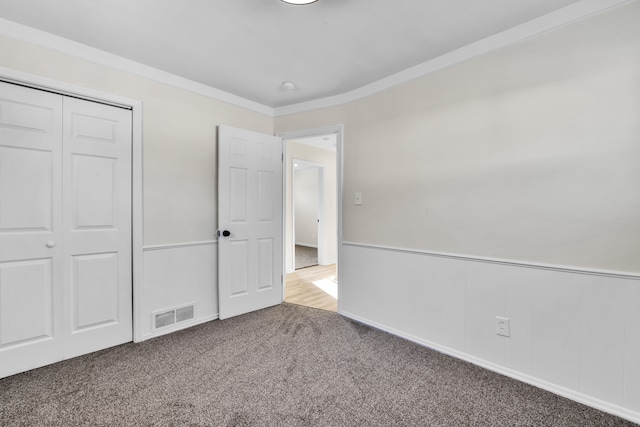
<point x="300" y="287"/>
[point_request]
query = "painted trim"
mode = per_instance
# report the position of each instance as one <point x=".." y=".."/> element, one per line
<point x="514" y="263"/>
<point x="306" y="245"/>
<point x="179" y="245"/>
<point x="285" y="270"/>
<point x="137" y="218"/>
<point x="338" y="130"/>
<point x="307" y="133"/>
<point x="31" y="35"/>
<point x="559" y="18"/>
<point x="553" y="388"/>
<point x="62" y="88"/>
<point x="532" y="28"/>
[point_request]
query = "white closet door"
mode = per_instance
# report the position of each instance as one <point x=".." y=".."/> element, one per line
<point x="96" y="226"/>
<point x="65" y="227"/>
<point x="30" y="228"/>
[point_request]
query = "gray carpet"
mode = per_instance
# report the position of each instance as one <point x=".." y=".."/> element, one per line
<point x="284" y="366"/>
<point x="306" y="257"/>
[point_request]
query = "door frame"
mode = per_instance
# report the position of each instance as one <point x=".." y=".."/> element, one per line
<point x="338" y="131"/>
<point x="37" y="82"/>
<point x="320" y="225"/>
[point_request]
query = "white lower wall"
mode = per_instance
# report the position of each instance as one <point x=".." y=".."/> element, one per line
<point x="574" y="333"/>
<point x="176" y="275"/>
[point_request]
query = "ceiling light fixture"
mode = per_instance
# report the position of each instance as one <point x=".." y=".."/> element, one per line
<point x="299" y="1"/>
<point x="288" y="86"/>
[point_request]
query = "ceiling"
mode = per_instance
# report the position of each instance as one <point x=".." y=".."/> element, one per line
<point x="250" y="47"/>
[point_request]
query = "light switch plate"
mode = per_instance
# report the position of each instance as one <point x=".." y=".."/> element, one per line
<point x="358" y="198"/>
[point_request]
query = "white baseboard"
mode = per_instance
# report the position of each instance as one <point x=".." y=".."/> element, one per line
<point x="573" y="332"/>
<point x="308" y="245"/>
<point x="561" y="391"/>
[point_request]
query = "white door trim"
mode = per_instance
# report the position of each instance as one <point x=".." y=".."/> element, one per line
<point x="337" y="130"/>
<point x="63" y="88"/>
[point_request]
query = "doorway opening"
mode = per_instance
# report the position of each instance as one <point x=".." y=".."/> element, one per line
<point x="308" y="213"/>
<point x="311" y="232"/>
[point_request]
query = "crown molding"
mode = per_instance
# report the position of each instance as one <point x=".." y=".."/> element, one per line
<point x="36" y="37"/>
<point x="559" y="18"/>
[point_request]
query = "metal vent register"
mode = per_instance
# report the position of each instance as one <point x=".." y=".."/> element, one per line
<point x="174" y="315"/>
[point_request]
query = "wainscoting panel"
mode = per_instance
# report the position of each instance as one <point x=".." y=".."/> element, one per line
<point x="178" y="275"/>
<point x="520" y="290"/>
<point x="632" y="349"/>
<point x="419" y="295"/>
<point x="485" y="299"/>
<point x="555" y="337"/>
<point x="602" y="338"/>
<point x="575" y="333"/>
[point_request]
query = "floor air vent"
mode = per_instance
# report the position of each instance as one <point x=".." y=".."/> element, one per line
<point x="184" y="313"/>
<point x="165" y="319"/>
<point x="168" y="317"/>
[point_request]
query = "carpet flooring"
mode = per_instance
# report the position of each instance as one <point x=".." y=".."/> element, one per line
<point x="305" y="256"/>
<point x="283" y="366"/>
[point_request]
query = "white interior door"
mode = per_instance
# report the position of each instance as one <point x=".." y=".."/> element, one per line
<point x="30" y="228"/>
<point x="249" y="221"/>
<point x="65" y="227"/>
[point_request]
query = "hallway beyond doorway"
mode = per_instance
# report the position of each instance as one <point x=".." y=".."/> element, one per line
<point x="313" y="287"/>
<point x="305" y="257"/>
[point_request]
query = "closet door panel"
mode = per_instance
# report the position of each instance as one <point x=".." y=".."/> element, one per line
<point x="30" y="228"/>
<point x="97" y="226"/>
<point x="65" y="227"/>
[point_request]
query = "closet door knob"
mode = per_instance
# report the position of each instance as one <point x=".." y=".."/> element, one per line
<point x="226" y="233"/>
<point x="50" y="244"/>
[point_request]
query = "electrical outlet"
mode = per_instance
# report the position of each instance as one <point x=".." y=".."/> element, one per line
<point x="502" y="326"/>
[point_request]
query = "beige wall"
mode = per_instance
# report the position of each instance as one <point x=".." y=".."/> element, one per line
<point x="179" y="139"/>
<point x="296" y="150"/>
<point x="530" y="153"/>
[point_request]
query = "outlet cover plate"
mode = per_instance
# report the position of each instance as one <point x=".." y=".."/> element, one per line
<point x="502" y="326"/>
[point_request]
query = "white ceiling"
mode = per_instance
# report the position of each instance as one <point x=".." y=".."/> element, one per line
<point x="249" y="47"/>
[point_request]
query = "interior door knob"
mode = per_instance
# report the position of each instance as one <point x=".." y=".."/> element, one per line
<point x="50" y="244"/>
<point x="226" y="233"/>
